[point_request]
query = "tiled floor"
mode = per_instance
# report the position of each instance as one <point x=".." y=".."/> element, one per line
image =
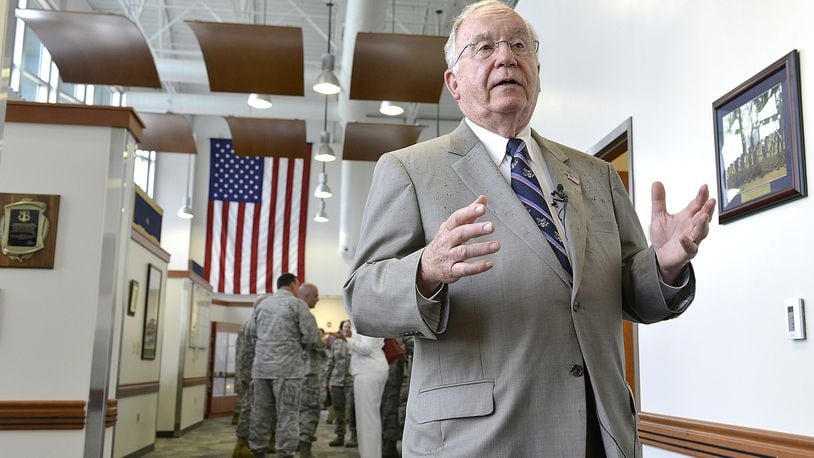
<point x="216" y="439"/>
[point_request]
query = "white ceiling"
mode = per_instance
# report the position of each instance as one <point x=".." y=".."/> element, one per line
<point x="185" y="88"/>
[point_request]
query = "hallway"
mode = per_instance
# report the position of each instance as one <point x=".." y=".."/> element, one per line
<point x="215" y="438"/>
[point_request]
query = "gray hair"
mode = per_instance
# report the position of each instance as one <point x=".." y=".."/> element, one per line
<point x="450" y="53"/>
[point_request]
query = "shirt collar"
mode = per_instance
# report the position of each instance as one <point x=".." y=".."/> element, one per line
<point x="495" y="144"/>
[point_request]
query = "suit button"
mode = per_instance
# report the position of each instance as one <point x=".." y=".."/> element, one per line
<point x="577" y="370"/>
<point x="576" y="306"/>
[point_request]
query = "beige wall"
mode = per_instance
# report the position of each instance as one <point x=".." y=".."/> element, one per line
<point x="329" y="311"/>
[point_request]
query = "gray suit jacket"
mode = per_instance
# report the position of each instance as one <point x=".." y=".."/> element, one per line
<point x="497" y="368"/>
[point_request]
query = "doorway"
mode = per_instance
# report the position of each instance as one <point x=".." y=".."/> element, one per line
<point x="221" y="396"/>
<point x="617" y="148"/>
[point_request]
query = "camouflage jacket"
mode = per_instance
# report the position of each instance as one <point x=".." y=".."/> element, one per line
<point x="338" y="370"/>
<point x="283" y="328"/>
<point x="244" y="354"/>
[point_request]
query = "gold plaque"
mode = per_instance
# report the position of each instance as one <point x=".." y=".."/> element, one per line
<point x="24" y="227"/>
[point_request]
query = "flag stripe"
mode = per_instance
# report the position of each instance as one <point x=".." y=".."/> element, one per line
<point x="280" y="218"/>
<point x="238" y="246"/>
<point x="255" y="244"/>
<point x="208" y="254"/>
<point x="222" y="251"/>
<point x="272" y="227"/>
<point x="304" y="192"/>
<point x="287" y="217"/>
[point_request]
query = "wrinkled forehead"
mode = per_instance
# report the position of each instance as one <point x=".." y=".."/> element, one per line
<point x="493" y="25"/>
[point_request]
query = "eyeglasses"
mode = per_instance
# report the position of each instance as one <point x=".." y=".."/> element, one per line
<point x="484" y="49"/>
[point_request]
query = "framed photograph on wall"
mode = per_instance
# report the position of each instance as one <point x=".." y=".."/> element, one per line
<point x="149" y="340"/>
<point x="759" y="141"/>
<point x="132" y="298"/>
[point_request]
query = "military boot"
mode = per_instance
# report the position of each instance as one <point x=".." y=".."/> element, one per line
<point x="305" y="450"/>
<point x="338" y="441"/>
<point x="352" y="441"/>
<point x="242" y="449"/>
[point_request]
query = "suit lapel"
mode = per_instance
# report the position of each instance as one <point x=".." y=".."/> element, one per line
<point x="479" y="173"/>
<point x="575" y="220"/>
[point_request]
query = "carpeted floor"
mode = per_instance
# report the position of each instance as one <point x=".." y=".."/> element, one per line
<point x="216" y="438"/>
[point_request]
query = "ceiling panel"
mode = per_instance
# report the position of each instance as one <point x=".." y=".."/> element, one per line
<point x="94" y="48"/>
<point x="268" y="137"/>
<point x="168" y="133"/>
<point x="252" y="58"/>
<point x="368" y="141"/>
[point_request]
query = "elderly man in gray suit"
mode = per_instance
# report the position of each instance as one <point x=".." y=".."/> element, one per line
<point x="517" y="301"/>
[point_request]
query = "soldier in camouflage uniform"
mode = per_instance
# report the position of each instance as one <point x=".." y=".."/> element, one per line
<point x="391" y="400"/>
<point x="282" y="328"/>
<point x="340" y="382"/>
<point x="310" y="393"/>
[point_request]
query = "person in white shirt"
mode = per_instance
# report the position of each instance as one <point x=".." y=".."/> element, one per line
<point x="369" y="368"/>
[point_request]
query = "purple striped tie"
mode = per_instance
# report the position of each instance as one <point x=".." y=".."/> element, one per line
<point x="527" y="188"/>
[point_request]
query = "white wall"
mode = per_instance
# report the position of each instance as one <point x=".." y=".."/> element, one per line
<point x="664" y="63"/>
<point x="49" y="316"/>
<point x="170" y="190"/>
<point x="136" y="422"/>
<point x="174" y="318"/>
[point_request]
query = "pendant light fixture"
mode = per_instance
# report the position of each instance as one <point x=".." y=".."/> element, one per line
<point x="323" y="191"/>
<point x="387" y="107"/>
<point x="260" y="101"/>
<point x="325" y="153"/>
<point x="185" y="211"/>
<point x="390" y="109"/>
<point x="326" y="82"/>
<point x="321" y="216"/>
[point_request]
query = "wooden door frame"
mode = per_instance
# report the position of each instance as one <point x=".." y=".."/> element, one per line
<point x="611" y="146"/>
<point x="210" y="371"/>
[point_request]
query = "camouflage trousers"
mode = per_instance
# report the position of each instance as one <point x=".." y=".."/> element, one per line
<point x="391" y="401"/>
<point x="342" y="399"/>
<point x="283" y="397"/>
<point x="243" y="407"/>
<point x="309" y="408"/>
<point x="243" y="410"/>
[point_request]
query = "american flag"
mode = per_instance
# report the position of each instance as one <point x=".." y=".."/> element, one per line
<point x="258" y="212"/>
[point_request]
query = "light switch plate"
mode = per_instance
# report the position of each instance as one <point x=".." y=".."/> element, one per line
<point x="795" y="318"/>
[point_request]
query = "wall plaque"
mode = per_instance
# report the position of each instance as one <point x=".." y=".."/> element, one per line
<point x="28" y="228"/>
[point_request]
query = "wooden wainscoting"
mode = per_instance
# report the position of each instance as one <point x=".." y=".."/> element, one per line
<point x="707" y="439"/>
<point x="112" y="413"/>
<point x="26" y="415"/>
<point x="127" y="390"/>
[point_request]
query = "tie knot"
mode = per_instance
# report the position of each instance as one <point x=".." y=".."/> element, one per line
<point x="515" y="147"/>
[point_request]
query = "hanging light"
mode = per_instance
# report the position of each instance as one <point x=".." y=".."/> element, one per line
<point x="326" y="82"/>
<point x="259" y="101"/>
<point x="185" y="211"/>
<point x="321" y="216"/>
<point x="390" y="109"/>
<point x="325" y="153"/>
<point x="323" y="191"/>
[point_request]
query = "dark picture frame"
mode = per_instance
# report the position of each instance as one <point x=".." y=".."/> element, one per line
<point x="759" y="149"/>
<point x="132" y="298"/>
<point x="149" y="341"/>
